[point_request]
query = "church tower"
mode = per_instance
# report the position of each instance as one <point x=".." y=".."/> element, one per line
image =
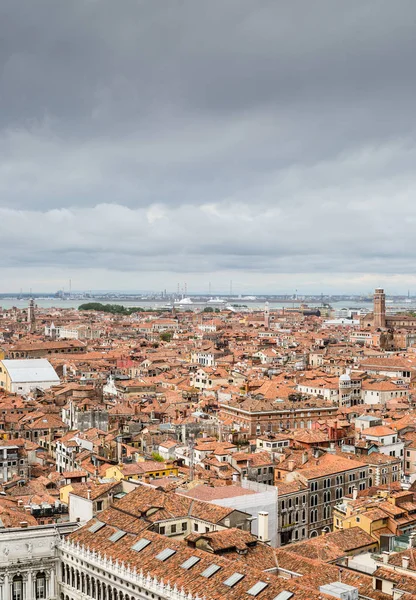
<point x="31" y="316"/>
<point x="266" y="315"/>
<point x="379" y="308"/>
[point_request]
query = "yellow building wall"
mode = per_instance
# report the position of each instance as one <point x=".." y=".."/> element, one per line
<point x="5" y="383"/>
<point x="367" y="525"/>
<point x="163" y="472"/>
<point x="64" y="493"/>
<point x="116" y="473"/>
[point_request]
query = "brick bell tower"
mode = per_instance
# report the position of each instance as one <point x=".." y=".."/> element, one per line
<point x="379" y="308"/>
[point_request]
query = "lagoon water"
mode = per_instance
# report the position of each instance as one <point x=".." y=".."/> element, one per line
<point x="76" y="302"/>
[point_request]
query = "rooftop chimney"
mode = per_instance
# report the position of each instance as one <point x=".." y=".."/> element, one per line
<point x="263" y="526"/>
<point x="354" y="493"/>
<point x="405" y="562"/>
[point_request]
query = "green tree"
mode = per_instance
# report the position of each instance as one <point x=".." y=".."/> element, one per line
<point x="156" y="456"/>
<point x="114" y="309"/>
<point x="166" y="336"/>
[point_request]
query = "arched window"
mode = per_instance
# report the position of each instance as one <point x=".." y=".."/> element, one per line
<point x="17" y="587"/>
<point x="40" y="586"/>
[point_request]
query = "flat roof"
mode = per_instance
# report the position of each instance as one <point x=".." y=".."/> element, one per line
<point x="32" y="370"/>
<point x="208" y="493"/>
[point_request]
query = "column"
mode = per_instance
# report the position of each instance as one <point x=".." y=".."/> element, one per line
<point x="29" y="589"/>
<point x="52" y="585"/>
<point x="48" y="584"/>
<point x="25" y="588"/>
<point x="6" y="594"/>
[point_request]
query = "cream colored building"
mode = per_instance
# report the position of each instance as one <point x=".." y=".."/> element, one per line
<point x="20" y="376"/>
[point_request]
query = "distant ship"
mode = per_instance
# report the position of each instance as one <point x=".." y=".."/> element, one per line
<point x="217" y="301"/>
<point x="183" y="302"/>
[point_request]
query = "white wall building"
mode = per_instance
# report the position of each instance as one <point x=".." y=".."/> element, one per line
<point x="386" y="439"/>
<point x="20" y="376"/>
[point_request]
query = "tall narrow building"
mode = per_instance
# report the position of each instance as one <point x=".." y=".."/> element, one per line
<point x="31" y="316"/>
<point x="379" y="308"/>
<point x="266" y="315"/>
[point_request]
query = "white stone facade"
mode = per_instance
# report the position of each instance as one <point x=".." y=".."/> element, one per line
<point x="37" y="563"/>
<point x="87" y="574"/>
<point x="29" y="558"/>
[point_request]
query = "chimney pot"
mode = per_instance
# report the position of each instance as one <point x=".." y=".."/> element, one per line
<point x="263" y="526"/>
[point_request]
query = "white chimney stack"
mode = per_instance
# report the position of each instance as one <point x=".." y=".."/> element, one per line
<point x="263" y="526"/>
<point x="354" y="493"/>
<point x="405" y="562"/>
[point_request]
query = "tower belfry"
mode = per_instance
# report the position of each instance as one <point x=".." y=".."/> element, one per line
<point x="31" y="316"/>
<point x="379" y="308"/>
<point x="266" y="315"/>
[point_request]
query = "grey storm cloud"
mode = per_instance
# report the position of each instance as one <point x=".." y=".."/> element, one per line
<point x="187" y="136"/>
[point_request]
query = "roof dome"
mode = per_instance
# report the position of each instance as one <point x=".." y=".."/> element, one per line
<point x="345" y="377"/>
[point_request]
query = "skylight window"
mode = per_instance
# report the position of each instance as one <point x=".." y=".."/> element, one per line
<point x="284" y="595"/>
<point x="234" y="579"/>
<point x="165" y="554"/>
<point x="191" y="562"/>
<point x="140" y="545"/>
<point x="210" y="571"/>
<point x="257" y="588"/>
<point x="117" y="535"/>
<point x="96" y="526"/>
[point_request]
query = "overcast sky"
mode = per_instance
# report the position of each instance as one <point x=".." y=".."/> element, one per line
<point x="267" y="142"/>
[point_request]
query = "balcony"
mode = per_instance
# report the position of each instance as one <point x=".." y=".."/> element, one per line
<point x="288" y="527"/>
